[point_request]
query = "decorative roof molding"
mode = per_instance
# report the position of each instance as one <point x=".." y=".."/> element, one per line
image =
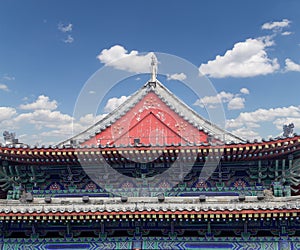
<point x="215" y="204"/>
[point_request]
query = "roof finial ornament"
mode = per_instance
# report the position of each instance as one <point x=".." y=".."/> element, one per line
<point x="288" y="130"/>
<point x="153" y="68"/>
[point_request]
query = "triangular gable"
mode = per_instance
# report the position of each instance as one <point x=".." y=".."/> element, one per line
<point x="150" y="121"/>
<point x="150" y="130"/>
<point x="172" y="112"/>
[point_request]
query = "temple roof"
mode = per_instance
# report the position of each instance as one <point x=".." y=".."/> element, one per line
<point x="173" y="103"/>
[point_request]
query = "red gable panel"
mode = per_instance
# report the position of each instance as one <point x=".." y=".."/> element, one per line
<point x="150" y="121"/>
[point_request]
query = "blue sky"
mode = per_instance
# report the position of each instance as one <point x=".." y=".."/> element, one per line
<point x="250" y="51"/>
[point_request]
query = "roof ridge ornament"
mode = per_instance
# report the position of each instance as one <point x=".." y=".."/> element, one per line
<point x="288" y="130"/>
<point x="153" y="68"/>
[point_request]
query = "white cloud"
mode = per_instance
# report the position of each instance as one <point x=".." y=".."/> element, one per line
<point x="236" y="103"/>
<point x="221" y="97"/>
<point x="7" y="113"/>
<point x="113" y="103"/>
<point x="177" y="76"/>
<point x="253" y="119"/>
<point x="245" y="91"/>
<point x="279" y="122"/>
<point x="50" y="127"/>
<point x="3" y="87"/>
<point x="245" y="59"/>
<point x="42" y="124"/>
<point x="247" y="123"/>
<point x="118" y="57"/>
<point x="9" y="78"/>
<point x="276" y="25"/>
<point x="42" y="102"/>
<point x="69" y="39"/>
<point x="44" y="118"/>
<point x="90" y="119"/>
<point x="65" y="27"/>
<point x="291" y="66"/>
<point x="246" y="133"/>
<point x="286" y="33"/>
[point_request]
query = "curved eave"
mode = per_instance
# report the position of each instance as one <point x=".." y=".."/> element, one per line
<point x="226" y="152"/>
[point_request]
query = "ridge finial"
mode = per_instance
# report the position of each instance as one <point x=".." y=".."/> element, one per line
<point x="153" y="68"/>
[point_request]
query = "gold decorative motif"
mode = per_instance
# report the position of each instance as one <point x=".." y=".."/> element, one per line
<point x="161" y="116"/>
<point x="181" y="126"/>
<point x="118" y="129"/>
<point x="149" y="103"/>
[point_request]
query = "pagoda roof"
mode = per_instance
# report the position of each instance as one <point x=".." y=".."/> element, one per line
<point x="173" y="103"/>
